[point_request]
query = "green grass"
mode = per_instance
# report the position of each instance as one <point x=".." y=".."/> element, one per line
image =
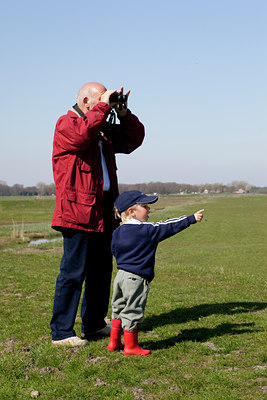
<point x="205" y="320"/>
<point x="24" y="219"/>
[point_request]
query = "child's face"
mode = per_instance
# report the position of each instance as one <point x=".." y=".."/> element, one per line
<point x="141" y="212"/>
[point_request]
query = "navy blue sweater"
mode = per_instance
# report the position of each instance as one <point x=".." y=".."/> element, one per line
<point x="134" y="243"/>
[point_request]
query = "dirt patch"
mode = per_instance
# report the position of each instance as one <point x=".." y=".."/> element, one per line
<point x="9" y="345"/>
<point x="210" y="345"/>
<point x="54" y="250"/>
<point x="95" y="360"/>
<point x="48" y="369"/>
<point x="139" y="393"/>
<point x="98" y="382"/>
<point x="4" y="241"/>
<point x="149" y="381"/>
<point x="259" y="367"/>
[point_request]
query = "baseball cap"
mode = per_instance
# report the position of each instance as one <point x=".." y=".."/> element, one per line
<point x="131" y="197"/>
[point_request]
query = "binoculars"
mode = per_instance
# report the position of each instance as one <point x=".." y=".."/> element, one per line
<point x="118" y="98"/>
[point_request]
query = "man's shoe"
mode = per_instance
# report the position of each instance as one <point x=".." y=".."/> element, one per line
<point x="101" y="332"/>
<point x="73" y="341"/>
<point x="104" y="331"/>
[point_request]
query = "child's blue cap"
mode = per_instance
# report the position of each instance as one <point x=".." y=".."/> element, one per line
<point x="131" y="197"/>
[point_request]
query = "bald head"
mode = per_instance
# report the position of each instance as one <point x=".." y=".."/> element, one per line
<point x="89" y="95"/>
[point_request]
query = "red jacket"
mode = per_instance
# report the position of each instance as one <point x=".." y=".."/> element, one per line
<point x="77" y="164"/>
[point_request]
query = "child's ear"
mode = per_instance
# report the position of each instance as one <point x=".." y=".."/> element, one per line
<point x="131" y="212"/>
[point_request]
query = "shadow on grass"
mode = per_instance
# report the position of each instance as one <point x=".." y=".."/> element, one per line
<point x="201" y="335"/>
<point x="182" y="315"/>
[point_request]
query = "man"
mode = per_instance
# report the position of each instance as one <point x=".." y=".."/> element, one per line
<point x="84" y="170"/>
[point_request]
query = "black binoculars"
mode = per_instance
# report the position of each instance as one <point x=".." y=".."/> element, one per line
<point x="118" y="98"/>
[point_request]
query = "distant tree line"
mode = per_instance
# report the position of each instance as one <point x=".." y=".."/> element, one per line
<point x="173" y="187"/>
<point x="42" y="189"/>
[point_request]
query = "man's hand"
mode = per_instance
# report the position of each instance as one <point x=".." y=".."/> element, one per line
<point x="199" y="215"/>
<point x="121" y="109"/>
<point x="106" y="95"/>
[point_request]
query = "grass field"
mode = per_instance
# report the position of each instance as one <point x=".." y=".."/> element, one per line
<point x="205" y="320"/>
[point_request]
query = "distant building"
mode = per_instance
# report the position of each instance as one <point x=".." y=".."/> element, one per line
<point x="240" y="191"/>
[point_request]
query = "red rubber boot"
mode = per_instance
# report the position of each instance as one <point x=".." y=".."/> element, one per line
<point x="131" y="346"/>
<point x="115" y="335"/>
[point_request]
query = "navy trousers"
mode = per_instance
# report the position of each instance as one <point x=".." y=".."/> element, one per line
<point x="87" y="258"/>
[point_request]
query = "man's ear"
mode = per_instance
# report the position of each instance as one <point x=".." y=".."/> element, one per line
<point x="86" y="102"/>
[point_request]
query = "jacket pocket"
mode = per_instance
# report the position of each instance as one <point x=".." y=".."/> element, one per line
<point x="78" y="207"/>
<point x="85" y="167"/>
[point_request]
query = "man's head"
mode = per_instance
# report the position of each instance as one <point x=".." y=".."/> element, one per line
<point x="89" y="95"/>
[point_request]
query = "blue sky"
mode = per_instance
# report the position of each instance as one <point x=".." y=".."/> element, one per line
<point x="196" y="70"/>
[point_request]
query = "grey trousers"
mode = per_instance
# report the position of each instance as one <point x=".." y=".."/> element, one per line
<point x="129" y="298"/>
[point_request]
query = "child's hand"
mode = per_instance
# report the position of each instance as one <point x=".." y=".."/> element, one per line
<point x="199" y="215"/>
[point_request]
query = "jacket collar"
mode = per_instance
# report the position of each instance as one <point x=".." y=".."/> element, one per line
<point x="133" y="221"/>
<point x="77" y="110"/>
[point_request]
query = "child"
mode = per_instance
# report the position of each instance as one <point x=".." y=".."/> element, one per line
<point x="134" y="245"/>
